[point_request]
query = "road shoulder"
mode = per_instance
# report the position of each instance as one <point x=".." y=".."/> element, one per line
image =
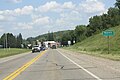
<point x="96" y="65"/>
<point x="5" y="59"/>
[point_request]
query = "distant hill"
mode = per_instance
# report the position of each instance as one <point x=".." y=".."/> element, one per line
<point x="57" y="36"/>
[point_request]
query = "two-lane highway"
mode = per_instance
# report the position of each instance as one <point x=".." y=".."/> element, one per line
<point x="47" y="65"/>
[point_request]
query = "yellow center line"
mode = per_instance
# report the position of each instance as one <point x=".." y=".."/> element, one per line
<point x="24" y="67"/>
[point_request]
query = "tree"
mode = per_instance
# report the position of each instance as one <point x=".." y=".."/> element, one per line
<point x="3" y="40"/>
<point x="19" y="40"/>
<point x="66" y="36"/>
<point x="50" y="36"/>
<point x="73" y="37"/>
<point x="117" y="4"/>
<point x="80" y="32"/>
<point x="10" y="38"/>
<point x="113" y="16"/>
<point x="95" y="24"/>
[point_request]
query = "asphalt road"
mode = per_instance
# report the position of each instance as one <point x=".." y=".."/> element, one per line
<point x="53" y="65"/>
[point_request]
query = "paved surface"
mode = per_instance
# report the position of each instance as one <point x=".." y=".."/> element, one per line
<point x="61" y="65"/>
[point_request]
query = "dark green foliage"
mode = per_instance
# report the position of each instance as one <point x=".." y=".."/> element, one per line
<point x="10" y="41"/>
<point x="100" y="23"/>
<point x="114" y="16"/>
<point x="95" y="24"/>
<point x="80" y="32"/>
<point x="117" y="4"/>
<point x="19" y="40"/>
<point x="50" y="36"/>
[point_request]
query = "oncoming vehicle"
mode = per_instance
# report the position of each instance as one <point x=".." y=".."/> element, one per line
<point x="35" y="48"/>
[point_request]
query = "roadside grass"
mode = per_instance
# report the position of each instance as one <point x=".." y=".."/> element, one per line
<point x="11" y="51"/>
<point x="97" y="45"/>
<point x="113" y="55"/>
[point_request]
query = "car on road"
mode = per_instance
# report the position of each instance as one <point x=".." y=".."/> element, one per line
<point x="35" y="48"/>
<point x="53" y="47"/>
<point x="42" y="48"/>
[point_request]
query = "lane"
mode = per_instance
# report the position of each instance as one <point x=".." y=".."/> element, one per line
<point x="11" y="65"/>
<point x="53" y="66"/>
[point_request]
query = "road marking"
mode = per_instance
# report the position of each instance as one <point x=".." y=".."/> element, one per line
<point x="24" y="67"/>
<point x="80" y="67"/>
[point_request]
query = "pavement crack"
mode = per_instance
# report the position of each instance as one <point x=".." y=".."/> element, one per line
<point x="62" y="67"/>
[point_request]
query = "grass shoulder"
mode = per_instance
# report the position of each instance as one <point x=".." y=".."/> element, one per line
<point x="113" y="55"/>
<point x="11" y="51"/>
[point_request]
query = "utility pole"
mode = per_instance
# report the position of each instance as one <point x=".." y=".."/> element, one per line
<point x="108" y="44"/>
<point x="6" y="39"/>
<point x="4" y="43"/>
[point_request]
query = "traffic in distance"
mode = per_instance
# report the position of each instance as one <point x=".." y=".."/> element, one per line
<point x="44" y="45"/>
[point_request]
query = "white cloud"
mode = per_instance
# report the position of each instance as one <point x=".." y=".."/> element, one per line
<point x="23" y="26"/>
<point x="6" y="12"/>
<point x="15" y="1"/>
<point x="87" y="6"/>
<point x="26" y="10"/>
<point x="41" y="21"/>
<point x="92" y="6"/>
<point x="2" y="17"/>
<point x="90" y="0"/>
<point x="68" y="19"/>
<point x="56" y="7"/>
<point x="6" y="18"/>
<point x="68" y="5"/>
<point x="34" y="17"/>
<point x="49" y="6"/>
<point x="1" y="30"/>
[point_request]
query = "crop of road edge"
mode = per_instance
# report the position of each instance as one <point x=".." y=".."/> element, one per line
<point x="12" y="51"/>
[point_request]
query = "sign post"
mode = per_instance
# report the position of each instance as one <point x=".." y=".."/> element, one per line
<point x="108" y="34"/>
<point x="69" y="43"/>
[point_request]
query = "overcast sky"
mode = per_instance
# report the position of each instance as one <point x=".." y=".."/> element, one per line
<point x="35" y="17"/>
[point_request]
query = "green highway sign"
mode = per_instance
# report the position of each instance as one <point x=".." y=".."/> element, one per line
<point x="108" y="33"/>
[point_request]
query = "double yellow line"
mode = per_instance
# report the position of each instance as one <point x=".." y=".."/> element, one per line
<point x="21" y="69"/>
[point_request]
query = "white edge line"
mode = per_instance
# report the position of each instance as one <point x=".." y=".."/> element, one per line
<point x="81" y="67"/>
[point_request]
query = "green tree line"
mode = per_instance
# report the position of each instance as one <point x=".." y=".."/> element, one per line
<point x="8" y="40"/>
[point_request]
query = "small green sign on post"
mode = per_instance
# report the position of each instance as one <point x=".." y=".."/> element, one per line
<point x="108" y="34"/>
